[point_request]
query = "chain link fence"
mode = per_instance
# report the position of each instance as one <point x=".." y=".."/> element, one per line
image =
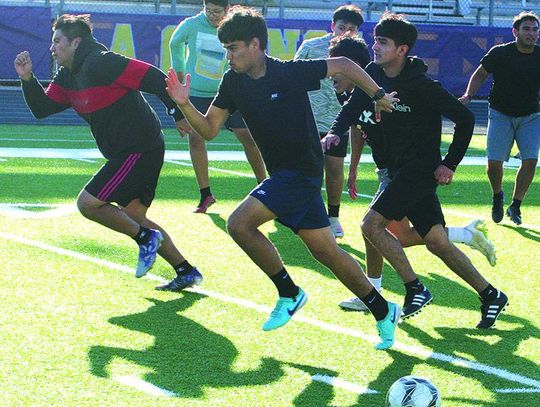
<point x="496" y="13"/>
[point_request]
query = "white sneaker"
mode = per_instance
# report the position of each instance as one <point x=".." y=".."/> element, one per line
<point x="480" y="240"/>
<point x="354" y="304"/>
<point x="337" y="230"/>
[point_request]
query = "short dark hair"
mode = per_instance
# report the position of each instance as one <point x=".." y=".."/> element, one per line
<point x="348" y="13"/>
<point x="243" y="24"/>
<point x="221" y="3"/>
<point x="397" y="28"/>
<point x="73" y="26"/>
<point x="352" y="47"/>
<point x="524" y="16"/>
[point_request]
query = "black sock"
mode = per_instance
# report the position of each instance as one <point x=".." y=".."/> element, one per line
<point x="143" y="236"/>
<point x="183" y="268"/>
<point x="376" y="304"/>
<point x="516" y="203"/>
<point x="498" y="195"/>
<point x="414" y="285"/>
<point x="205" y="192"/>
<point x="284" y="284"/>
<point x="333" y="211"/>
<point x="489" y="293"/>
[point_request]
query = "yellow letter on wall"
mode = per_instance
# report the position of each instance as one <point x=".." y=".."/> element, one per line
<point x="122" y="41"/>
<point x="165" y="55"/>
<point x="282" y="48"/>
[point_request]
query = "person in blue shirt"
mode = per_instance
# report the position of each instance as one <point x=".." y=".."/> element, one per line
<point x="272" y="96"/>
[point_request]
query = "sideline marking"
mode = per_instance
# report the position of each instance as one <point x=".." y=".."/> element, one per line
<point x="343" y="384"/>
<point x="16" y="210"/>
<point x="144" y="386"/>
<point x="240" y="174"/>
<point x="412" y="350"/>
<point x="517" y="390"/>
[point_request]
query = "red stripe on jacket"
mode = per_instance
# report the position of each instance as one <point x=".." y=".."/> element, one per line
<point x="99" y="97"/>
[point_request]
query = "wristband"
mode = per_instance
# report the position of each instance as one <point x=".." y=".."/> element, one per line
<point x="378" y="95"/>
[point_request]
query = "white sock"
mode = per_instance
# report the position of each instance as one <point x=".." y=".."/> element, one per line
<point x="459" y="235"/>
<point x="377" y="282"/>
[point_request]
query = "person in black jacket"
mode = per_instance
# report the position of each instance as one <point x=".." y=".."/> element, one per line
<point x="104" y="89"/>
<point x="411" y="138"/>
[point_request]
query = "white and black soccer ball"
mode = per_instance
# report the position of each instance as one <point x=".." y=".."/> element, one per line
<point x="413" y="391"/>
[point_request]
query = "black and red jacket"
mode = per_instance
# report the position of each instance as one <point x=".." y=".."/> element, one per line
<point x="104" y="89"/>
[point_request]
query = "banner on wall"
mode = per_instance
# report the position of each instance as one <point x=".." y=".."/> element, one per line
<point x="25" y="29"/>
<point x="451" y="52"/>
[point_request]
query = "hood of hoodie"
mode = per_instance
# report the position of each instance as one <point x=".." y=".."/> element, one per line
<point x="86" y="46"/>
<point x="413" y="68"/>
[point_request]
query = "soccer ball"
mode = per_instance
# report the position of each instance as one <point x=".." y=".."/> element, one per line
<point x="413" y="391"/>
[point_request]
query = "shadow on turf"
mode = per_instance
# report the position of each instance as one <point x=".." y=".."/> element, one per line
<point x="527" y="233"/>
<point x="186" y="357"/>
<point x="502" y="354"/>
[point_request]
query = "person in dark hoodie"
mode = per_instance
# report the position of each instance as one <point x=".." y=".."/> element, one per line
<point x="473" y="235"/>
<point x="411" y="138"/>
<point x="104" y="89"/>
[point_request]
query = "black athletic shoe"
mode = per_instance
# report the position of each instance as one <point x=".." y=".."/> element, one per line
<point x="497" y="210"/>
<point x="415" y="301"/>
<point x="491" y="310"/>
<point x="514" y="214"/>
<point x="182" y="281"/>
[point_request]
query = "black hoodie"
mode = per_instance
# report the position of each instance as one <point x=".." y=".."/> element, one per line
<point x="103" y="88"/>
<point x="411" y="134"/>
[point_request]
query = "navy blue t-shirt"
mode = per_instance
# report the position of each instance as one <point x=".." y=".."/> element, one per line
<point x="277" y="112"/>
<point x="516" y="79"/>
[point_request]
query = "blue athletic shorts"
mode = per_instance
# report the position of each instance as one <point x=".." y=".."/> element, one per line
<point x="503" y="130"/>
<point x="294" y="198"/>
<point x="234" y="121"/>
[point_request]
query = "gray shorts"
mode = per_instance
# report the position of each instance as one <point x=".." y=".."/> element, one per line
<point x="503" y="130"/>
<point x="234" y="121"/>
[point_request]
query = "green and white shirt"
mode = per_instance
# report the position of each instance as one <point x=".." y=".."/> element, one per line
<point x="324" y="102"/>
<point x="205" y="57"/>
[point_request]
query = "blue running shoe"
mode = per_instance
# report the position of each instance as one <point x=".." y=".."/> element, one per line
<point x="148" y="253"/>
<point x="284" y="310"/>
<point x="387" y="327"/>
<point x="194" y="277"/>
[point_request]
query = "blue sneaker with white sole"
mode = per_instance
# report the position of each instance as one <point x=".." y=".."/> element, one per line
<point x="194" y="277"/>
<point x="148" y="253"/>
<point x="285" y="308"/>
<point x="387" y="327"/>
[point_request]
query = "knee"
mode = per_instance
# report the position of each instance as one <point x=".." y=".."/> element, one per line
<point x="325" y="255"/>
<point x="438" y="246"/>
<point x="196" y="141"/>
<point x="369" y="226"/>
<point x="84" y="206"/>
<point x="235" y="227"/>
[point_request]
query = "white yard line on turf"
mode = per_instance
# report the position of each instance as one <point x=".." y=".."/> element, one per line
<point x="144" y="386"/>
<point x="68" y="153"/>
<point x="408" y="349"/>
<point x="189" y="164"/>
<point x="175" y="157"/>
<point x="16" y="210"/>
<point x="343" y="384"/>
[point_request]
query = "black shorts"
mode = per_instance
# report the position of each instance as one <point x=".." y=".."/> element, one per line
<point x="412" y="194"/>
<point x="128" y="177"/>
<point x="341" y="149"/>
